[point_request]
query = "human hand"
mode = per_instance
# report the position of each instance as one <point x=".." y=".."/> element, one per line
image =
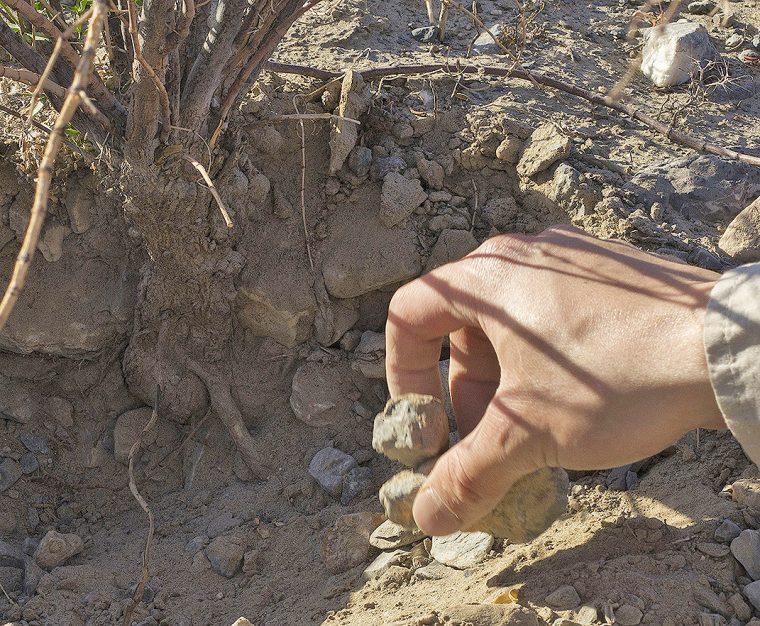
<point x="566" y="351"/>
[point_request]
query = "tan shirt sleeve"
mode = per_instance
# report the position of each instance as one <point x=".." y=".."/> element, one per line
<point x="732" y="345"/>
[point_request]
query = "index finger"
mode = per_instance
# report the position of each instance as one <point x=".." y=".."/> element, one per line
<point x="420" y="315"/>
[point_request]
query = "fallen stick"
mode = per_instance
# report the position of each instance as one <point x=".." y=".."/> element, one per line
<point x="676" y="136"/>
<point x="32" y="79"/>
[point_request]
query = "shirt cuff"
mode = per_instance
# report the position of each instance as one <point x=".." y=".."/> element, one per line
<point x="732" y="345"/>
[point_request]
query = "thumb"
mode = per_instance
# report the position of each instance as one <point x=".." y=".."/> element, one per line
<point x="469" y="480"/>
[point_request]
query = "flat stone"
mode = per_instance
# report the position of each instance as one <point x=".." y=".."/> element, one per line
<point x="715" y="550"/>
<point x="711" y="619"/>
<point x="752" y="593"/>
<point x="701" y="7"/>
<point x="397" y="497"/>
<point x="10" y="472"/>
<point x="225" y="555"/>
<point x="431" y="172"/>
<point x="389" y="535"/>
<point x="242" y="621"/>
<point x="451" y="245"/>
<point x="433" y="571"/>
<point x="746" y="549"/>
<point x="425" y="34"/>
<point x="370" y="354"/>
<point x="356" y="484"/>
<point x="586" y="615"/>
<point x="462" y="550"/>
<point x="329" y="467"/>
<point x="399" y="197"/>
<point x="673" y="51"/>
<point x="563" y="598"/>
<point x="411" y="429"/>
<point x="80" y="202"/>
<point x="740" y="607"/>
<point x="382" y="563"/>
<point x="346" y="544"/>
<point x="546" y="146"/>
<point x="34" y="443"/>
<point x="485" y="44"/>
<point x="628" y="615"/>
<point x="360" y="160"/>
<point x="741" y="239"/>
<point x="727" y="531"/>
<point x="56" y="548"/>
<point x="320" y="394"/>
<point x="29" y="463"/>
<point x="382" y="166"/>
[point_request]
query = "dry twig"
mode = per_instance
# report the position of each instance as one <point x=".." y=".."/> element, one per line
<point x="679" y="137"/>
<point x="30" y="78"/>
<point x="303" y="182"/>
<point x="222" y="208"/>
<point x="45" y="175"/>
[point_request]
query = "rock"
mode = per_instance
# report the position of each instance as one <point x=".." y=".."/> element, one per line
<point x="706" y="597"/>
<point x="462" y="550"/>
<point x="440" y="196"/>
<point x="10" y="472"/>
<point x="370" y="354"/>
<point x="711" y="619"/>
<point x="426" y="34"/>
<point x="225" y="555"/>
<point x="746" y="549"/>
<point x="242" y="621"/>
<point x="334" y="318"/>
<point x="715" y="550"/>
<point x="577" y="198"/>
<point x="79" y="204"/>
<point x="628" y="615"/>
<point x="564" y="598"/>
<point x="320" y="394"/>
<point x="451" y="245"/>
<point x="509" y="149"/>
<point x="500" y="212"/>
<point x="268" y="139"/>
<point x="390" y="535"/>
<point x="382" y="563"/>
<point x="282" y="207"/>
<point x="740" y="607"/>
<point x="701" y="7"/>
<point x="354" y="100"/>
<point x="491" y="615"/>
<point x="546" y="146"/>
<point x="11" y="578"/>
<point x="34" y="443"/>
<point x="29" y="463"/>
<point x="586" y="615"/>
<point x="673" y="51"/>
<point x="727" y="531"/>
<point x="433" y="571"/>
<point x="51" y="243"/>
<point x="431" y="172"/>
<point x="56" y="548"/>
<point x="356" y="484"/>
<point x="360" y="160"/>
<point x="382" y="166"/>
<point x="411" y="429"/>
<point x="329" y="467"/>
<point x="752" y="593"/>
<point x="196" y="544"/>
<point x="346" y="543"/>
<point x="376" y="257"/>
<point x="258" y="188"/>
<point x="397" y="497"/>
<point x="485" y="44"/>
<point x="400" y="196"/>
<point x="350" y="340"/>
<point x="270" y="305"/>
<point x="741" y="240"/>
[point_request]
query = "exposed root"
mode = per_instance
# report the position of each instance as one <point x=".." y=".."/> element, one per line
<point x="45" y="177"/>
<point x="676" y="136"/>
<point x="225" y="408"/>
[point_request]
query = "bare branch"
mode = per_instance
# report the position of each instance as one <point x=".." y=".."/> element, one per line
<point x="222" y="208"/>
<point x="30" y="78"/>
<point x="45" y="129"/>
<point x="45" y="174"/>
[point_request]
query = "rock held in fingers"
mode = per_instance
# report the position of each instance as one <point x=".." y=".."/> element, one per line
<point x="397" y="497"/>
<point x="412" y="429"/>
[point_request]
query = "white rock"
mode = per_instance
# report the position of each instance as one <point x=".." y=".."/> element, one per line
<point x="461" y="550"/>
<point x="674" y="51"/>
<point x="741" y="239"/>
<point x="370" y="354"/>
<point x="390" y="535"/>
<point x="381" y="564"/>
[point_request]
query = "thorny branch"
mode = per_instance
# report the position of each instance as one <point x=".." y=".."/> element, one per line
<point x="45" y="175"/>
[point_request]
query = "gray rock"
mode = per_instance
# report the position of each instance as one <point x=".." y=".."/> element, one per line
<point x="746" y="549"/>
<point x="356" y="484"/>
<point x="741" y="240"/>
<point x="509" y="149"/>
<point x="320" y="394"/>
<point x="426" y="34"/>
<point x="10" y="472"/>
<point x="222" y="523"/>
<point x="56" y="548"/>
<point x="225" y="555"/>
<point x="701" y="7"/>
<point x="546" y="146"/>
<point x="329" y="467"/>
<point x="34" y="443"/>
<point x="752" y="593"/>
<point x="727" y="531"/>
<point x="711" y="619"/>
<point x="485" y="44"/>
<point x="33" y="573"/>
<point x="617" y="478"/>
<point x="360" y="160"/>
<point x="11" y="578"/>
<point x="29" y="463"/>
<point x="350" y="340"/>
<point x="433" y="571"/>
<point x="628" y="615"/>
<point x="382" y="166"/>
<point x="491" y="615"/>
<point x="564" y="598"/>
<point x="740" y="607"/>
<point x="672" y="52"/>
<point x="390" y="535"/>
<point x="451" y="245"/>
<point x="715" y="550"/>
<point x="734" y="41"/>
<point x="369" y="355"/>
<point x="30" y="545"/>
<point x="431" y="172"/>
<point x="462" y="550"/>
<point x="196" y="544"/>
<point x="399" y="197"/>
<point x="382" y="563"/>
<point x="346" y="543"/>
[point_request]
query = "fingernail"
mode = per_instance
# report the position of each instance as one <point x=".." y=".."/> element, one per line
<point x="432" y="515"/>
